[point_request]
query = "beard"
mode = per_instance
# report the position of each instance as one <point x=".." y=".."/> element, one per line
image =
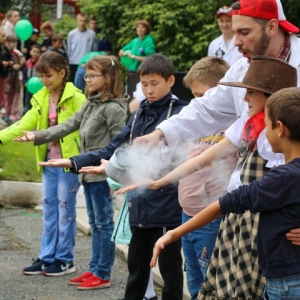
<point x="261" y="46"/>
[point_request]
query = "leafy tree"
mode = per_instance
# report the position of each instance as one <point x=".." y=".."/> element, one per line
<point x="65" y="25"/>
<point x="292" y="11"/>
<point x="23" y="7"/>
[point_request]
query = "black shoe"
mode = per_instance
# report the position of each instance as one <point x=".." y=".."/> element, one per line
<point x="38" y="267"/>
<point x="59" y="268"/>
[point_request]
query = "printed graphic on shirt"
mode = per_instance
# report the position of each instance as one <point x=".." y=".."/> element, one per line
<point x="220" y="53"/>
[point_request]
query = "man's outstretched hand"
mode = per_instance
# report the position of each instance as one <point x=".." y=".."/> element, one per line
<point x="150" y="140"/>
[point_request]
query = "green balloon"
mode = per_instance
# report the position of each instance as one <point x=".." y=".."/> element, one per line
<point x="33" y="85"/>
<point x="89" y="55"/>
<point x="24" y="30"/>
<point x="127" y="61"/>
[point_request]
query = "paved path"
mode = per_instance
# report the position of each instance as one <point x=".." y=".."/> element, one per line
<point x="20" y="231"/>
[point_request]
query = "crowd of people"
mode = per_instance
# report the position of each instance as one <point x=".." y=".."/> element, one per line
<point x="20" y="58"/>
<point x="241" y="142"/>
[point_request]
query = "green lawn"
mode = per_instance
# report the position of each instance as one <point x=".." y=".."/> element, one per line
<point x="18" y="162"/>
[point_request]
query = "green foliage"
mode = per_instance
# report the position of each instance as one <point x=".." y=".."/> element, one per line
<point x="292" y="11"/>
<point x="65" y="25"/>
<point x="23" y="7"/>
<point x="18" y="162"/>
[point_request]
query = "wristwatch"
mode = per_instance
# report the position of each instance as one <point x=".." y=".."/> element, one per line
<point x="133" y="56"/>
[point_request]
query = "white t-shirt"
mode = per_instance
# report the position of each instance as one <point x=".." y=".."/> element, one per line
<point x="228" y="52"/>
<point x="79" y="44"/>
<point x="138" y="94"/>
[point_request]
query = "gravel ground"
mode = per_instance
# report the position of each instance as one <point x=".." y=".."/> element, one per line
<point x="20" y="231"/>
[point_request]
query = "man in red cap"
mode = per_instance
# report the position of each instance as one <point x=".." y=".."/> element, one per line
<point x="267" y="34"/>
<point x="260" y="28"/>
<point x="223" y="46"/>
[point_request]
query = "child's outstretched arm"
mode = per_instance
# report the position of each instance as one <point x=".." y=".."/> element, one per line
<point x="28" y="136"/>
<point x="58" y="163"/>
<point x="95" y="170"/>
<point x="207" y="215"/>
<point x="218" y="151"/>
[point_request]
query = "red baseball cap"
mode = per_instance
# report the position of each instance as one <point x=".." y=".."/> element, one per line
<point x="225" y="10"/>
<point x="265" y="9"/>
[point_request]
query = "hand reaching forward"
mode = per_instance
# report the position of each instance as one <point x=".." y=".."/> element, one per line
<point x="294" y="236"/>
<point x="146" y="184"/>
<point x="95" y="170"/>
<point x="160" y="244"/>
<point x="59" y="163"/>
<point x="28" y="136"/>
<point x="151" y="140"/>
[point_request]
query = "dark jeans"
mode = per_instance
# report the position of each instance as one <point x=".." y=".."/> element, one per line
<point x="139" y="256"/>
<point x="73" y="69"/>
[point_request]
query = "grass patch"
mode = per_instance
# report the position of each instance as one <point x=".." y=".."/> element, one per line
<point x="18" y="162"/>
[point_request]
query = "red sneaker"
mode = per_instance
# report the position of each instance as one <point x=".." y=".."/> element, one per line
<point x="83" y="277"/>
<point x="94" y="282"/>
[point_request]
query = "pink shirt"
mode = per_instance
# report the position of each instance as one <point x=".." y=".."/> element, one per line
<point x="54" y="151"/>
<point x="199" y="189"/>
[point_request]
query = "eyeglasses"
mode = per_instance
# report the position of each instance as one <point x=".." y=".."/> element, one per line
<point x="91" y="77"/>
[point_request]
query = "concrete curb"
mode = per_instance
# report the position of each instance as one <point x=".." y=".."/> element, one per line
<point x="27" y="194"/>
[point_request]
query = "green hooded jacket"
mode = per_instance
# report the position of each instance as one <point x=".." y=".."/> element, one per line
<point x="138" y="47"/>
<point x="71" y="101"/>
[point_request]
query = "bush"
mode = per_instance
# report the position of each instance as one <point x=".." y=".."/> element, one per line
<point x="65" y="25"/>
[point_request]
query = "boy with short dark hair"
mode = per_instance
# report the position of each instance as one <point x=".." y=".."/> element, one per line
<point x="33" y="40"/>
<point x="152" y="213"/>
<point x="57" y="45"/>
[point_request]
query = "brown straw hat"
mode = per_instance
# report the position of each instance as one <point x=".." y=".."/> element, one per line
<point x="267" y="74"/>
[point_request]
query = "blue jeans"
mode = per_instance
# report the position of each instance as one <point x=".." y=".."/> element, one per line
<point x="59" y="214"/>
<point x="79" y="80"/>
<point x="197" y="260"/>
<point x="285" y="288"/>
<point x="99" y="205"/>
